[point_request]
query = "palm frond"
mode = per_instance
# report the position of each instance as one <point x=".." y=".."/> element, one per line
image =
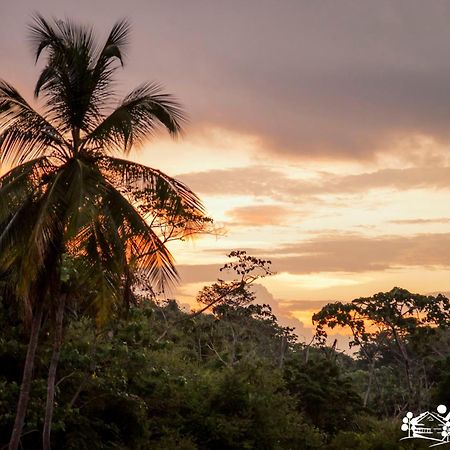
<point x="77" y="80"/>
<point x="22" y="182"/>
<point x="112" y="50"/>
<point x="140" y="241"/>
<point x="14" y="229"/>
<point x="125" y="233"/>
<point x="28" y="241"/>
<point x="116" y="42"/>
<point x="102" y="72"/>
<point x="139" y="116"/>
<point x="157" y="195"/>
<point x="43" y="35"/>
<point x="25" y="134"/>
<point x="84" y="189"/>
<point x="66" y="80"/>
<point x="37" y="227"/>
<point x="47" y="222"/>
<point x="102" y="270"/>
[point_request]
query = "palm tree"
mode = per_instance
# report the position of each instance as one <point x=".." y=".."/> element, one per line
<point x="68" y="193"/>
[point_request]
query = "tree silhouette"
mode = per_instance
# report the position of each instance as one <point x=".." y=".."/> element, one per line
<point x="67" y="192"/>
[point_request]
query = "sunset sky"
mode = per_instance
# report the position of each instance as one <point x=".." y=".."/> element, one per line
<point x="318" y="135"/>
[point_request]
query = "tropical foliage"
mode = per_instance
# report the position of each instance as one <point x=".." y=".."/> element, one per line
<point x="68" y="194"/>
<point x="213" y="381"/>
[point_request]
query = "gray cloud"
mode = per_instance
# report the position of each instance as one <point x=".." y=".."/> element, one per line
<point x="303" y="305"/>
<point x="314" y="79"/>
<point x="265" y="182"/>
<point x="347" y="253"/>
<point x="359" y="253"/>
<point x="257" y="181"/>
<point x="283" y="312"/>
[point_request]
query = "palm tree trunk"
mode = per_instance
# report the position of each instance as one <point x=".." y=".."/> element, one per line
<point x="57" y="342"/>
<point x="25" y="387"/>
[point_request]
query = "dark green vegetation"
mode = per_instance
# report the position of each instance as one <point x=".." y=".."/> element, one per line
<point x="156" y="377"/>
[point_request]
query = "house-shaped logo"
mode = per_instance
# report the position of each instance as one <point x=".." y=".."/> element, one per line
<point x="431" y="426"/>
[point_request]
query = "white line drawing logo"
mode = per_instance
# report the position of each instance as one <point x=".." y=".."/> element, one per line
<point x="430" y="426"/>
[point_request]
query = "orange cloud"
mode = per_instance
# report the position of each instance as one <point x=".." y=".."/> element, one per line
<point x="259" y="215"/>
<point x="420" y="221"/>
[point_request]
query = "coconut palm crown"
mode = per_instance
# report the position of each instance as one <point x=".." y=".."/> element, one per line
<point x="67" y="190"/>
